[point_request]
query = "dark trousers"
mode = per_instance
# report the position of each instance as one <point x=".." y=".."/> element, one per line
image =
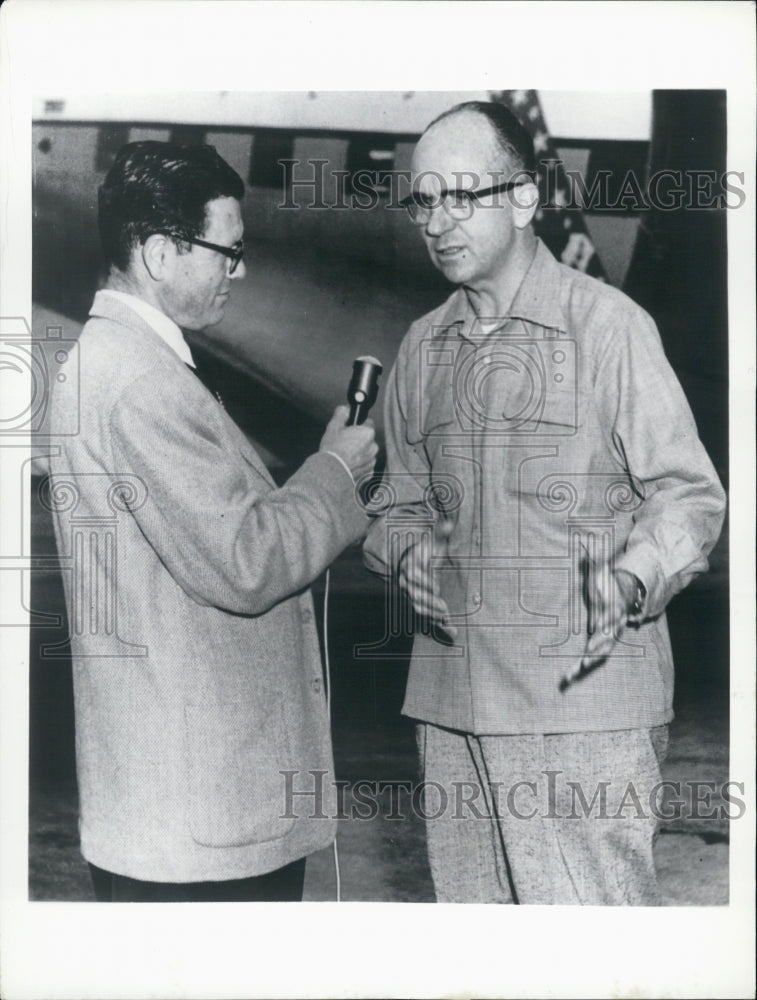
<point x="281" y="886"/>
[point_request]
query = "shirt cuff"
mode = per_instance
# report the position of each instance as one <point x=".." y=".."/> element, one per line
<point x="637" y="600"/>
<point x="343" y="463"/>
<point x="642" y="562"/>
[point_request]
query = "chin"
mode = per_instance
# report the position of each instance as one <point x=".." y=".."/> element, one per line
<point x="213" y="318"/>
<point x="457" y="271"/>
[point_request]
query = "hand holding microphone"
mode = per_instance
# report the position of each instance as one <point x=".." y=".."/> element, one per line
<point x="346" y="434"/>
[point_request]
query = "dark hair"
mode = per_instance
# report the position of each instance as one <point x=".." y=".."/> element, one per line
<point x="159" y="187"/>
<point x="514" y="138"/>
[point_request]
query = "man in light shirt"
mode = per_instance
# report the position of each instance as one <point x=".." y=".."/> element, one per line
<point x="197" y="673"/>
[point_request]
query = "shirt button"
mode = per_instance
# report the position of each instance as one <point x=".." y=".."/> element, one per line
<point x="476" y="598"/>
<point x="307" y="615"/>
<point x="315" y="684"/>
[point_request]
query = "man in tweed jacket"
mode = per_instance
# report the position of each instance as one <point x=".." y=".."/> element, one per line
<point x="540" y="445"/>
<point x="197" y="673"/>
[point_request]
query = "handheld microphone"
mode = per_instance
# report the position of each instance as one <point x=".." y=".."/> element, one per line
<point x="363" y="388"/>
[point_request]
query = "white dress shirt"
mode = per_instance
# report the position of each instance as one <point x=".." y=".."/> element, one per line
<point x="163" y="325"/>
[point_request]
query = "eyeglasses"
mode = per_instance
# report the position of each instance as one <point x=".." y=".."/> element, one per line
<point x="458" y="204"/>
<point x="234" y="253"/>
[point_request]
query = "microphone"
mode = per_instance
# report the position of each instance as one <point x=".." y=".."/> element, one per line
<point x="363" y="388"/>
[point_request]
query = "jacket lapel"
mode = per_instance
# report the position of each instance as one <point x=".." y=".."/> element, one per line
<point x="114" y="310"/>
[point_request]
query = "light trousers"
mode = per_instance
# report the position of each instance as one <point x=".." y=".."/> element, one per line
<point x="567" y="818"/>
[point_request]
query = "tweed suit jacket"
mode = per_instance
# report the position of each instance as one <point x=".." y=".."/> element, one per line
<point x="197" y="675"/>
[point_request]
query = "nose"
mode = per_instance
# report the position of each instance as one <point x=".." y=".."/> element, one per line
<point x="438" y="221"/>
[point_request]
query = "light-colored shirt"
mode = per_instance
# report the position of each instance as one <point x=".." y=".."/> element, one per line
<point x="163" y="325"/>
<point x="557" y="439"/>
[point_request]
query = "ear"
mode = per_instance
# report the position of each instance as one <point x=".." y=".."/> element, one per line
<point x="525" y="201"/>
<point x="157" y="252"/>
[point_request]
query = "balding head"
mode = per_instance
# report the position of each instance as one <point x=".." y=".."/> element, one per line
<point x="514" y="140"/>
<point x="463" y="149"/>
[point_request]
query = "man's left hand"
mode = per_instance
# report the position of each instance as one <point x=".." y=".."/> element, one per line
<point x="611" y="598"/>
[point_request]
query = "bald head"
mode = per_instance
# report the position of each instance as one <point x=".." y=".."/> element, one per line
<point x="463" y="149"/>
<point x="513" y="138"/>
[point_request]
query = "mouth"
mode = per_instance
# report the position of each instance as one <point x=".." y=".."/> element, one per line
<point x="447" y="252"/>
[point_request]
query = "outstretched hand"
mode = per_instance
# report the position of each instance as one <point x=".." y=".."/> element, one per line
<point x="610" y="598"/>
<point x="416" y="576"/>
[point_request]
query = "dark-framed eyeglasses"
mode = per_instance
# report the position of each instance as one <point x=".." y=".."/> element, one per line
<point x="235" y="253"/>
<point x="457" y="203"/>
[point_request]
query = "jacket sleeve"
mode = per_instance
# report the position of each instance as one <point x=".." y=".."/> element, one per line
<point x="652" y="431"/>
<point x="226" y="535"/>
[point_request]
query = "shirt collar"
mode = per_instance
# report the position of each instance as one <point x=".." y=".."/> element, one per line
<point x="163" y="325"/>
<point x="537" y="300"/>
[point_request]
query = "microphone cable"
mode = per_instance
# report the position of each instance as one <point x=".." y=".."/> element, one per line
<point x="361" y="395"/>
<point x="327" y="666"/>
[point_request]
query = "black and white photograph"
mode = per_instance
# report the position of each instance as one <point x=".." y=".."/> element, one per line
<point x="379" y="513"/>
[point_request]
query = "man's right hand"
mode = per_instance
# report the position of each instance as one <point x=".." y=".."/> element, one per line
<point x="416" y="576"/>
<point x="356" y="446"/>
